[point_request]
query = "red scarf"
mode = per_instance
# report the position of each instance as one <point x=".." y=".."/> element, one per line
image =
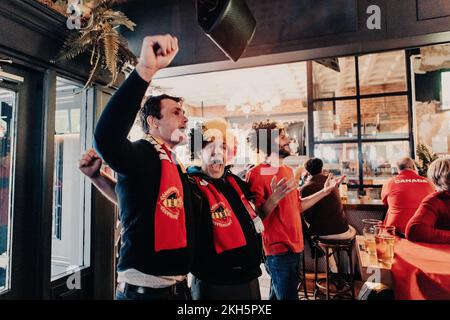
<point x="227" y="231"/>
<point x="170" y="219"/>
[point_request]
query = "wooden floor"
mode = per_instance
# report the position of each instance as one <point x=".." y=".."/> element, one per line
<point x="264" y="282"/>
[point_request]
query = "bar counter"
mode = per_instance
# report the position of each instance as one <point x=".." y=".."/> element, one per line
<point x="359" y="209"/>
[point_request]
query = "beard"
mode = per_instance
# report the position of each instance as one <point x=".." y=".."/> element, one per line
<point x="283" y="152"/>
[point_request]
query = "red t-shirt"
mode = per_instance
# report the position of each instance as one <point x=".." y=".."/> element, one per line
<point x="431" y="222"/>
<point x="403" y="194"/>
<point x="283" y="227"/>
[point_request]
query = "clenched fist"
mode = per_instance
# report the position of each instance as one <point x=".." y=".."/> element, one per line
<point x="157" y="52"/>
<point x="90" y="163"/>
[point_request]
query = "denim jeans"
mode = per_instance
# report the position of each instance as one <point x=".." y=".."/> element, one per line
<point x="284" y="272"/>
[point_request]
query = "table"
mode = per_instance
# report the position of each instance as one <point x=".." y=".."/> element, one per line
<point x="421" y="271"/>
<point x="369" y="267"/>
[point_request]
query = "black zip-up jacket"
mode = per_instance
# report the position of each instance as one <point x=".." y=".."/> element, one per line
<point x="234" y="266"/>
<point x="139" y="174"/>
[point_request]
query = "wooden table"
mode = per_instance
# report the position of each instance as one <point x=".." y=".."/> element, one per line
<point x="370" y="269"/>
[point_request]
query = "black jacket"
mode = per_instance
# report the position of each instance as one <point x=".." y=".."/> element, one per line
<point x="139" y="173"/>
<point x="235" y="266"/>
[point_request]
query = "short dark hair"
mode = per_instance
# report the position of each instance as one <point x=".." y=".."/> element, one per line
<point x="264" y="131"/>
<point x="314" y="166"/>
<point x="152" y="107"/>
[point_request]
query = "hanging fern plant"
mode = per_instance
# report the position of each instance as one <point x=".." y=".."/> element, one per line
<point x="98" y="35"/>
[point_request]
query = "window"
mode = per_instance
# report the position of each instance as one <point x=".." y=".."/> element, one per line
<point x="385" y="117"/>
<point x="380" y="164"/>
<point x="7" y="134"/>
<point x="70" y="243"/>
<point x="382" y="73"/>
<point x="361" y="121"/>
<point x="329" y="83"/>
<point x="335" y="120"/>
<point x="445" y="91"/>
<point x="340" y="159"/>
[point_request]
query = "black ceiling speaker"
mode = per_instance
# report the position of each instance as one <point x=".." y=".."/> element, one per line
<point x="229" y="23"/>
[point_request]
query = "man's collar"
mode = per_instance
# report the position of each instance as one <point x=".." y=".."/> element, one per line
<point x="158" y="140"/>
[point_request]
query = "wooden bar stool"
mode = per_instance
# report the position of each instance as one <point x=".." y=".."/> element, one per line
<point x="339" y="285"/>
<point x="302" y="279"/>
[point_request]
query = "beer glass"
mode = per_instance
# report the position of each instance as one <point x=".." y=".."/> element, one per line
<point x="369" y="235"/>
<point x="384" y="239"/>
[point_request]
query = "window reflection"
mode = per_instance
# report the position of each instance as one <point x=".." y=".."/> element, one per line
<point x="7" y="129"/>
<point x="340" y="159"/>
<point x="380" y="160"/>
<point x="382" y="72"/>
<point x="69" y="237"/>
<point x="335" y="120"/>
<point x="385" y="117"/>
<point x="329" y="83"/>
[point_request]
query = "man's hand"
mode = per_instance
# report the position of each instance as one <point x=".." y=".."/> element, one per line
<point x="90" y="164"/>
<point x="157" y="52"/>
<point x="282" y="188"/>
<point x="332" y="183"/>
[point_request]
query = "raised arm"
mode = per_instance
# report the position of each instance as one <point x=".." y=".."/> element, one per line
<point x="110" y="136"/>
<point x="90" y="165"/>
<point x="331" y="185"/>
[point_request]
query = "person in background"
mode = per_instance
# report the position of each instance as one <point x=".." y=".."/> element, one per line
<point x="431" y="222"/>
<point x="403" y="194"/>
<point x="283" y="236"/>
<point x="326" y="218"/>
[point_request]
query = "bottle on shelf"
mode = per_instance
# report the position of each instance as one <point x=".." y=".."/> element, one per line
<point x="343" y="191"/>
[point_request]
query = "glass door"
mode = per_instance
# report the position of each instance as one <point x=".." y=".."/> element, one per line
<point x="7" y="134"/>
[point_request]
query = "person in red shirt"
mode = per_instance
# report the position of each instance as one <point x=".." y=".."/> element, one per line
<point x="283" y="236"/>
<point x="403" y="194"/>
<point x="431" y="222"/>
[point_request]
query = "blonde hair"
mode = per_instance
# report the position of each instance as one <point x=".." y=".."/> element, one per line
<point x="439" y="173"/>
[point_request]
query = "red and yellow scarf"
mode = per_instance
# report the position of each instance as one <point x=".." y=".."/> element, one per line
<point x="170" y="219"/>
<point x="227" y="231"/>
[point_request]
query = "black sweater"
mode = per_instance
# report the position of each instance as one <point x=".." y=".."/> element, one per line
<point x="139" y="173"/>
<point x="235" y="266"/>
<point x="327" y="216"/>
